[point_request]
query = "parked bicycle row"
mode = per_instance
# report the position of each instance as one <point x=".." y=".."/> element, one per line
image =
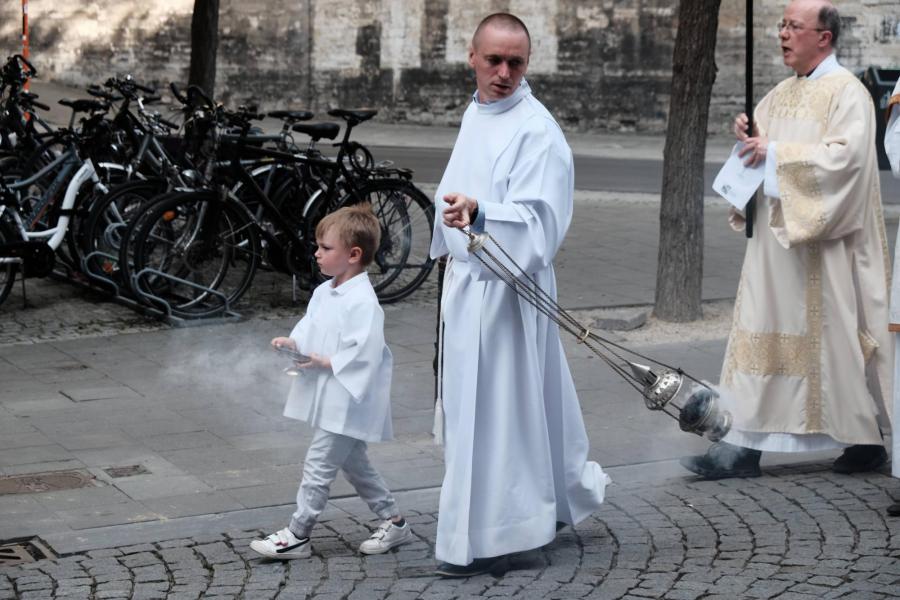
<point x="178" y="215"/>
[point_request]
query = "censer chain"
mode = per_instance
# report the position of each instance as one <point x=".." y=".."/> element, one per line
<point x="580" y="331"/>
<point x="532" y="293"/>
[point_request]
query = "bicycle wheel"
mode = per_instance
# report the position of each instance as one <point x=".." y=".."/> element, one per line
<point x="10" y="169"/>
<point x="196" y="252"/>
<point x="107" y="223"/>
<point x="111" y="176"/>
<point x="296" y="198"/>
<point x="402" y="261"/>
<point x="8" y="270"/>
<point x="126" y="241"/>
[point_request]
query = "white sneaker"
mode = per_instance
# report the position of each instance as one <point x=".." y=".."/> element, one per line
<point x="282" y="545"/>
<point x="386" y="537"/>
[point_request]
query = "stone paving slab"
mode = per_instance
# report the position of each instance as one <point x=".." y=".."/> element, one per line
<point x="222" y="444"/>
<point x="798" y="532"/>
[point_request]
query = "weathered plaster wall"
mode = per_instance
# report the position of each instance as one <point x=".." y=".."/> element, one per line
<point x="600" y="64"/>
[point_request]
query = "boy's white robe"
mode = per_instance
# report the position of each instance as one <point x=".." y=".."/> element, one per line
<point x="515" y="443"/>
<point x="346" y="324"/>
<point x="892" y="148"/>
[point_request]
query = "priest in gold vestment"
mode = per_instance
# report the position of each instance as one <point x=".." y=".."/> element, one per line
<point x="809" y="361"/>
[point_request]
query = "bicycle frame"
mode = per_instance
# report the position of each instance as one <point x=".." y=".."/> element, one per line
<point x="336" y="168"/>
<point x="85" y="173"/>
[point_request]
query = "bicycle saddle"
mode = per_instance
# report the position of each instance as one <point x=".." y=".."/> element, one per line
<point x="318" y="131"/>
<point x="292" y="115"/>
<point x="84" y="105"/>
<point x="356" y="114"/>
<point x="29" y="99"/>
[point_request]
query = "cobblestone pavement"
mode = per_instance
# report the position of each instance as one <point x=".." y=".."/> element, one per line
<point x="798" y="532"/>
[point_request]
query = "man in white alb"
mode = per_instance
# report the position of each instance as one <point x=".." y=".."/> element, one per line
<point x="516" y="447"/>
<point x="809" y="359"/>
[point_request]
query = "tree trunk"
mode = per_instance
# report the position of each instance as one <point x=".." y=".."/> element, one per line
<point x="679" y="274"/>
<point x="204" y="43"/>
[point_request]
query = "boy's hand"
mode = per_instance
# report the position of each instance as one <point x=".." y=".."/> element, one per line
<point x="284" y="342"/>
<point x="316" y="361"/>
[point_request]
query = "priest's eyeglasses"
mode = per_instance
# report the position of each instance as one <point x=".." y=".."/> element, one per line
<point x="794" y="28"/>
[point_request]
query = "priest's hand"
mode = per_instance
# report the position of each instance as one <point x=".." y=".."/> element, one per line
<point x="755" y="146"/>
<point x="316" y="361"/>
<point x="460" y="211"/>
<point x="740" y="127"/>
<point x="754" y="150"/>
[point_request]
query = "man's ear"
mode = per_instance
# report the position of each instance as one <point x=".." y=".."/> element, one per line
<point x="355" y="254"/>
<point x="472" y="56"/>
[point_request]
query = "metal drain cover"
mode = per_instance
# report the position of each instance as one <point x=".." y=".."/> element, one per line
<point x="17" y="552"/>
<point x="126" y="471"/>
<point x="32" y="483"/>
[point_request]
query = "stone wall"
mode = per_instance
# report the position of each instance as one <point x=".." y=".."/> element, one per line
<point x="600" y="64"/>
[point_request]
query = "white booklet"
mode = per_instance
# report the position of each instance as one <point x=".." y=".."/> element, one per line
<point x="736" y="182"/>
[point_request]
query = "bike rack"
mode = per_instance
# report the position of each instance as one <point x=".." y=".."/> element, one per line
<point x="222" y="313"/>
<point x="154" y="306"/>
<point x="105" y="281"/>
<point x="12" y="260"/>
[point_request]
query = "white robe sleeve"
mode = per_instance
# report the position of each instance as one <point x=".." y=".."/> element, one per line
<point x="301" y="329"/>
<point x="357" y="362"/>
<point x="531" y="222"/>
<point x="892" y="133"/>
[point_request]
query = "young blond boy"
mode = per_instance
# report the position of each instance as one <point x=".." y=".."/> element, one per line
<point x="343" y="390"/>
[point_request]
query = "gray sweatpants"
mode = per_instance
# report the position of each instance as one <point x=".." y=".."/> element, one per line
<point x="328" y="453"/>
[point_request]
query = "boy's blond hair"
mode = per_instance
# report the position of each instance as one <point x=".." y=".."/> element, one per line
<point x="356" y="226"/>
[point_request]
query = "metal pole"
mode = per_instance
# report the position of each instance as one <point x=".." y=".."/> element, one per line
<point x="750" y="210"/>
<point x="25" y="35"/>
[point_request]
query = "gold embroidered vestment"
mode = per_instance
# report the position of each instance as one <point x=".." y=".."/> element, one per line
<point x="809" y="351"/>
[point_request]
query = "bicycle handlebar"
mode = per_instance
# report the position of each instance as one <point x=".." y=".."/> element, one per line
<point x="237" y="141"/>
<point x="31" y="70"/>
<point x="128" y="87"/>
<point x="30" y="101"/>
<point x="94" y="90"/>
<point x="177" y="93"/>
<point x="249" y="113"/>
<point x="143" y="88"/>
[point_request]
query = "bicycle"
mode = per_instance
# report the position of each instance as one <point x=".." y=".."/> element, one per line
<point x="198" y="251"/>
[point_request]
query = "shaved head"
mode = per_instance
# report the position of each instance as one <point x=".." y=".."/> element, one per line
<point x="504" y="22"/>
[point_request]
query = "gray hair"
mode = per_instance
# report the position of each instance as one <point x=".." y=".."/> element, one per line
<point x="830" y="20"/>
